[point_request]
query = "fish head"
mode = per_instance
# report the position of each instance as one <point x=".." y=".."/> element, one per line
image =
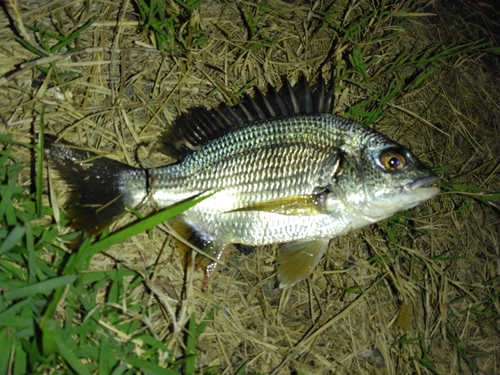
<point x="384" y="178"/>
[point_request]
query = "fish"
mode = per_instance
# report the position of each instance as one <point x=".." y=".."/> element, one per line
<point x="278" y="168"/>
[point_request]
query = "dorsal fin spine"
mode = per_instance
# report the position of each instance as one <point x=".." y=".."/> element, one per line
<point x="279" y="101"/>
<point x="200" y="125"/>
<point x="266" y="102"/>
<point x="319" y="96"/>
<point x="246" y="112"/>
<point x="294" y="103"/>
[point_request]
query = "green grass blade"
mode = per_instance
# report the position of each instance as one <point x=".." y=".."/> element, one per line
<point x="151" y="368"/>
<point x="30" y="248"/>
<point x="5" y="353"/>
<point x="106" y="357"/>
<point x="68" y="355"/>
<point x="7" y="192"/>
<point x="30" y="48"/>
<point x="13" y="310"/>
<point x="43" y="287"/>
<point x="190" y="354"/>
<point x="12" y="239"/>
<point x="75" y="34"/>
<point x="205" y="322"/>
<point x="242" y="370"/>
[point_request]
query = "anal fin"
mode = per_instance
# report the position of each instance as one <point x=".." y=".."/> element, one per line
<point x="296" y="260"/>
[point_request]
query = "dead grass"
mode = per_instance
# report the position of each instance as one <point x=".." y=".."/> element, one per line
<point x="425" y="301"/>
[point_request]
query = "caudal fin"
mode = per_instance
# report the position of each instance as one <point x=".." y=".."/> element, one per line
<point x="99" y="188"/>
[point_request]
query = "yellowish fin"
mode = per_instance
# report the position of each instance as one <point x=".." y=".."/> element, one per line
<point x="303" y="205"/>
<point x="296" y="260"/>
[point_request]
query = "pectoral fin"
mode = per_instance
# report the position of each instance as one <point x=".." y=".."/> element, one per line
<point x="296" y="260"/>
<point x="304" y="205"/>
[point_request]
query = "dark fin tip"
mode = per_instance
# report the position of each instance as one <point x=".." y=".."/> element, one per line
<point x="199" y="125"/>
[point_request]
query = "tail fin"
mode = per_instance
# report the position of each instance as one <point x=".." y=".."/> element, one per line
<point x="100" y="188"/>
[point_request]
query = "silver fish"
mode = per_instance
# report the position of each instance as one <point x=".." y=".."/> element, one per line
<point x="282" y="170"/>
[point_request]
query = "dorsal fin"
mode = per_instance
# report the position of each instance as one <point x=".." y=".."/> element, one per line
<point x="200" y="125"/>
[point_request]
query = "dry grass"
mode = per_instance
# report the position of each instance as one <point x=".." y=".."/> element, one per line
<point x="425" y="301"/>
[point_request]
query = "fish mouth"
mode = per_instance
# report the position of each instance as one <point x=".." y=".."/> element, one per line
<point x="423" y="182"/>
<point x="403" y="198"/>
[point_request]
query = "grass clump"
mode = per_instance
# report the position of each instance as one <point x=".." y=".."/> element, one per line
<point x="175" y="25"/>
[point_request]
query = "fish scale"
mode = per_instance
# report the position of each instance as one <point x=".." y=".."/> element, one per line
<point x="279" y="169"/>
<point x="251" y="173"/>
<point x="273" y="154"/>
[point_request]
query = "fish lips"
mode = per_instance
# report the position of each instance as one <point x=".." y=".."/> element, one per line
<point x="421" y="190"/>
<point x="423" y="184"/>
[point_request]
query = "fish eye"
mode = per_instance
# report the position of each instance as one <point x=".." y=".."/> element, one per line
<point x="392" y="159"/>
